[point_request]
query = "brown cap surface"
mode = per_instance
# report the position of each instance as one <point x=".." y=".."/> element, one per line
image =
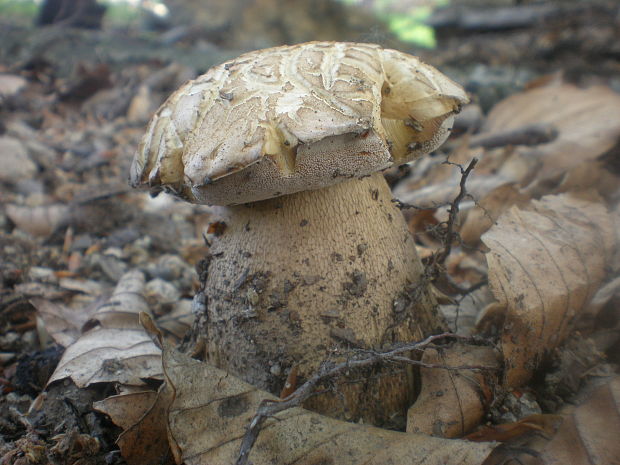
<point x="291" y="118"/>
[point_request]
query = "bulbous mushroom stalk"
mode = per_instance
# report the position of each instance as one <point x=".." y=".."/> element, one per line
<point x="315" y="257"/>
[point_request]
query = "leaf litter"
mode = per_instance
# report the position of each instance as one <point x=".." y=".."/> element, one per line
<point x="548" y="259"/>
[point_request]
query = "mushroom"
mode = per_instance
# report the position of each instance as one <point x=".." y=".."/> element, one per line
<point x="315" y="257"/>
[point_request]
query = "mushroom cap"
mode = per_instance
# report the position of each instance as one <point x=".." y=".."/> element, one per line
<point x="292" y="118"/>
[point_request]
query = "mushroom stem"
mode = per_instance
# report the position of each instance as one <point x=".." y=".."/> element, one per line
<point x="298" y="279"/>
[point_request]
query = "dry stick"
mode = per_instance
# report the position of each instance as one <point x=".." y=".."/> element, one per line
<point x="532" y="134"/>
<point x="268" y="408"/>
<point x="527" y="135"/>
<point x="451" y="234"/>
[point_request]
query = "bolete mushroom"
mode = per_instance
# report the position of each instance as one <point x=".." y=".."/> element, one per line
<point x="315" y="256"/>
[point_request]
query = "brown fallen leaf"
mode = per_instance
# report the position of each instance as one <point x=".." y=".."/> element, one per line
<point x="141" y="106"/>
<point x="452" y="402"/>
<point x="178" y="321"/>
<point x="211" y="410"/>
<point x="587" y="121"/>
<point x="142" y="415"/>
<point x="545" y="423"/>
<point x="113" y="347"/>
<point x="587" y="434"/>
<point x="61" y="322"/>
<point x="588" y="175"/>
<point x="545" y="264"/>
<point x="590" y="433"/>
<point x="38" y="221"/>
<point x="480" y="218"/>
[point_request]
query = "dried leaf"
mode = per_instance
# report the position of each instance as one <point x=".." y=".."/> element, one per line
<point x="179" y="320"/>
<point x="588" y="434"/>
<point x="11" y="85"/>
<point x="121" y="311"/>
<point x="62" y="323"/>
<point x="452" y="402"/>
<point x="114" y="347"/>
<point x="587" y="124"/>
<point x="46" y="291"/>
<point x="488" y="209"/>
<point x="539" y="422"/>
<point x="38" y="221"/>
<point x="142" y="415"/>
<point x="589" y="175"/>
<point x="211" y="410"/>
<point x="141" y="106"/>
<point x="16" y="164"/>
<point x="587" y="121"/>
<point x="604" y="295"/>
<point x="86" y="286"/>
<point x="545" y="264"/>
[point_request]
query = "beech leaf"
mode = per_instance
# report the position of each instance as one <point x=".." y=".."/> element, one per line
<point x="545" y="264"/>
<point x="211" y="410"/>
<point x="453" y="402"/>
<point x="587" y="121"/>
<point x="142" y="415"/>
<point x="582" y="433"/>
<point x="114" y="347"/>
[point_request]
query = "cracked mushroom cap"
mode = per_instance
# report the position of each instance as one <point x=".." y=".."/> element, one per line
<point x="293" y="118"/>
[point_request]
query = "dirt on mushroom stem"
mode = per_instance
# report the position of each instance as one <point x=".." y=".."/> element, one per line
<point x="304" y="278"/>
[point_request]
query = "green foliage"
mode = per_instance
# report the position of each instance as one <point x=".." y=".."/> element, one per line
<point x="411" y="27"/>
<point x="408" y="25"/>
<point x="119" y="14"/>
<point x="18" y="11"/>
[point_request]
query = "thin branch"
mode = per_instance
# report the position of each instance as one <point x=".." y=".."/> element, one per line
<point x="530" y="135"/>
<point x="451" y="235"/>
<point x="268" y="408"/>
<point x="407" y="206"/>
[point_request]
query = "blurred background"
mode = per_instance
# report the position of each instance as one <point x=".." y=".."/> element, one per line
<point x="493" y="47"/>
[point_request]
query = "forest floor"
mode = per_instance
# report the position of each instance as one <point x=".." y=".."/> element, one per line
<point x="73" y="107"/>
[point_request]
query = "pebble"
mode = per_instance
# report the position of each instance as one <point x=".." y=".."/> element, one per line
<point x="160" y="294"/>
<point x="173" y="268"/>
<point x="275" y="369"/>
<point x="113" y="267"/>
<point x="42" y="275"/>
<point x="519" y="405"/>
<point x="16" y="164"/>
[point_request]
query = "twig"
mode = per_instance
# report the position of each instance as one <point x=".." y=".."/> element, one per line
<point x="533" y="134"/>
<point x="528" y="135"/>
<point x="451" y="235"/>
<point x="268" y="408"/>
<point x="406" y="206"/>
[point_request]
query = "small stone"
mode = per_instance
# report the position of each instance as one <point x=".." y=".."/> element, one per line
<point x="16" y="164"/>
<point x="174" y="269"/>
<point x="160" y="292"/>
<point x="113" y="252"/>
<point x="518" y="405"/>
<point x="113" y="267"/>
<point x="42" y="275"/>
<point x="168" y="267"/>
